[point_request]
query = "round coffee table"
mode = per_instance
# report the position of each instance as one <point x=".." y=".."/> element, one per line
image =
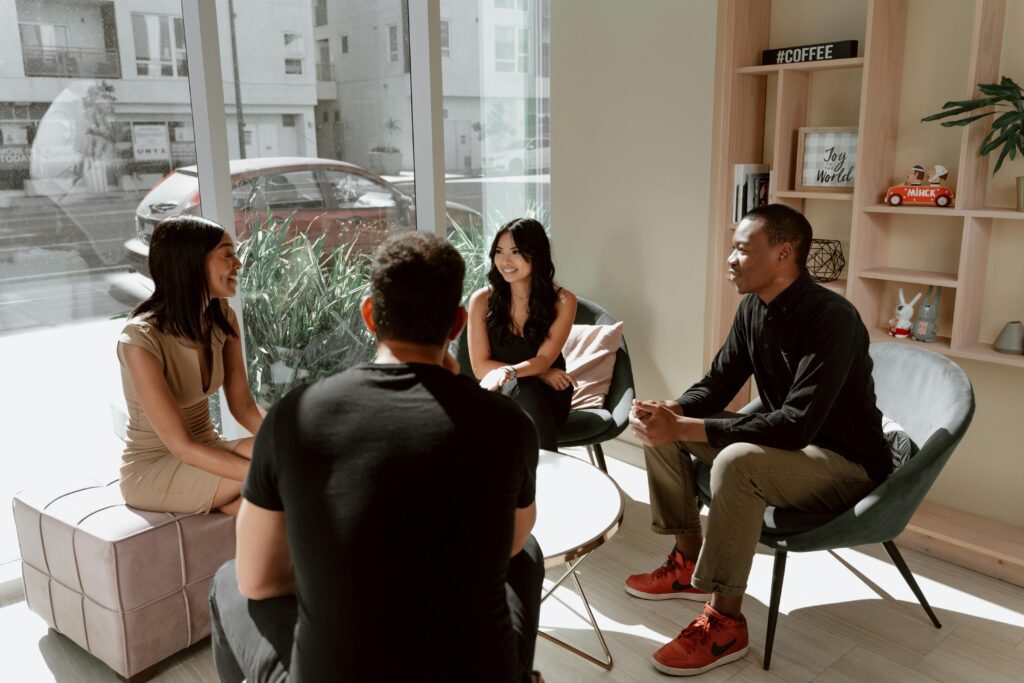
<point x="579" y="507"/>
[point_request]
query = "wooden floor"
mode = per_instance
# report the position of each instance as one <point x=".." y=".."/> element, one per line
<point x="845" y="616"/>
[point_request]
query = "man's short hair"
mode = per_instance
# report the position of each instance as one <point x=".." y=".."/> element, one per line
<point x="782" y="223"/>
<point x="416" y="287"/>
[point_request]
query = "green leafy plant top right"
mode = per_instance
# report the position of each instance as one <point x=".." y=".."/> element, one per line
<point x="1007" y="100"/>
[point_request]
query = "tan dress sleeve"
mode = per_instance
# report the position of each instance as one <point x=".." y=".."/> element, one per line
<point x="139" y="333"/>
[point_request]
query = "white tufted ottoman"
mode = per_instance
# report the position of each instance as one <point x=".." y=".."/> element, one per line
<point x="128" y="586"/>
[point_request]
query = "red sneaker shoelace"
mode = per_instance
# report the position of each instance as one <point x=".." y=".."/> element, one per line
<point x="669" y="566"/>
<point x="700" y="628"/>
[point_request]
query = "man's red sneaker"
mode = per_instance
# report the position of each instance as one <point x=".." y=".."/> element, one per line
<point x="713" y="639"/>
<point x="670" y="580"/>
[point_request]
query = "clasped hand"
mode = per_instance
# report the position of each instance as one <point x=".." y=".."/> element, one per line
<point x="655" y="423"/>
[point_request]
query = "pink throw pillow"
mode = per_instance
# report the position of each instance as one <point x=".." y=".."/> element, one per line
<point x="590" y="358"/>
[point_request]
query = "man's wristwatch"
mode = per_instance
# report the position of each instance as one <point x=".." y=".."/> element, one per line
<point x="510" y="372"/>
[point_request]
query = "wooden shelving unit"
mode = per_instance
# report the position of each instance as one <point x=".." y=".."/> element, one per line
<point x="830" y="65"/>
<point x="874" y="268"/>
<point x="838" y="196"/>
<point x="740" y="135"/>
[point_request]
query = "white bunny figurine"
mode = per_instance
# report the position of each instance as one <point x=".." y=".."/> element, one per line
<point x="901" y="325"/>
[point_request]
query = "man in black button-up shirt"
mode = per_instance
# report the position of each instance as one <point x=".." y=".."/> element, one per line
<point x="816" y="445"/>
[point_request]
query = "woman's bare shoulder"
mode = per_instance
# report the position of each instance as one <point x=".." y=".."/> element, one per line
<point x="479" y="297"/>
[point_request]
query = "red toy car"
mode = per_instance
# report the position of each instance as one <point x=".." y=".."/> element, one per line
<point x="919" y="194"/>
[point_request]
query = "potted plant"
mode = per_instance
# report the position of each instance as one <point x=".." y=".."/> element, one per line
<point x="1004" y="101"/>
<point x="301" y="309"/>
<point x="387" y="159"/>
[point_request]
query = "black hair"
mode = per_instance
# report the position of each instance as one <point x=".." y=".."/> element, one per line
<point x="532" y="241"/>
<point x="180" y="303"/>
<point x="416" y="287"/>
<point x="782" y="223"/>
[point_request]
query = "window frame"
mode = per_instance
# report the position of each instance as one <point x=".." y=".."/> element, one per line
<point x="178" y="55"/>
<point x="294" y="55"/>
<point x="499" y="62"/>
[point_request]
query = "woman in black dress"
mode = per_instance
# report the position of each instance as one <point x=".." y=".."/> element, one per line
<point x="518" y="325"/>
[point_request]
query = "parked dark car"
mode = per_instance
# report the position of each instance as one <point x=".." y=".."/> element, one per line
<point x="343" y="202"/>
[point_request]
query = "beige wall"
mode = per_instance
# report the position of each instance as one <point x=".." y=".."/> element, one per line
<point x="631" y="101"/>
<point x="632" y="87"/>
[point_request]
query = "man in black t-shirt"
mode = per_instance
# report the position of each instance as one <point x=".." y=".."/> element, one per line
<point x="382" y="508"/>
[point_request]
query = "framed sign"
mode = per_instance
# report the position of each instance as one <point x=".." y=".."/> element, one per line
<point x="826" y="159"/>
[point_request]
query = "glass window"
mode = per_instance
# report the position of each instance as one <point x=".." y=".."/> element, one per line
<point x="496" y="150"/>
<point x="523" y="51"/>
<point x="294" y="51"/>
<point x="293" y="190"/>
<point x="159" y="45"/>
<point x="504" y="49"/>
<point x="393" y="50"/>
<point x="446" y="45"/>
<point x="354" y="190"/>
<point x="80" y="151"/>
<point x="346" y="131"/>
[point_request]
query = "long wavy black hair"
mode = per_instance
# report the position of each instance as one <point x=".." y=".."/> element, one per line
<point x="532" y="242"/>
<point x="180" y="303"/>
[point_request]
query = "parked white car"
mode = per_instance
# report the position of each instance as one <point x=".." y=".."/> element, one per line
<point x="522" y="156"/>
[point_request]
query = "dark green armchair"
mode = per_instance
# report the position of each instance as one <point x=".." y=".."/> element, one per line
<point x="932" y="398"/>
<point x="589" y="427"/>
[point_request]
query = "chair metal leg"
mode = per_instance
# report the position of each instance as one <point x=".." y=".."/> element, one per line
<point x="901" y="564"/>
<point x="778" y="572"/>
<point x="597" y="457"/>
<point x="606" y="663"/>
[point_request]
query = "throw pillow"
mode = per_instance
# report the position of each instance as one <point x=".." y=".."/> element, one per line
<point x="590" y="358"/>
<point x="901" y="445"/>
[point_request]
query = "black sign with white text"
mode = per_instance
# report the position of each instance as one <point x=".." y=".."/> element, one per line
<point x="844" y="49"/>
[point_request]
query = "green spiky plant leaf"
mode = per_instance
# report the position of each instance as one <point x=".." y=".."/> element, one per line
<point x="1006" y="100"/>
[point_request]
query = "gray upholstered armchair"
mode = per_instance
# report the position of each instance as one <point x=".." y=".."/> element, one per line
<point x="931" y="397"/>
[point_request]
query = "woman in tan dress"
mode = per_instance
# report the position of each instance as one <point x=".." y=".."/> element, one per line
<point x="180" y="346"/>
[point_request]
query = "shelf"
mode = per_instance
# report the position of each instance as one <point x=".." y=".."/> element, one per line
<point x="840" y="196"/>
<point x="940" y="345"/>
<point x="912" y="210"/>
<point x="985" y="352"/>
<point x="823" y="65"/>
<point x="976" y="351"/>
<point x="837" y="286"/>
<point x="918" y="277"/>
<point x="996" y="212"/>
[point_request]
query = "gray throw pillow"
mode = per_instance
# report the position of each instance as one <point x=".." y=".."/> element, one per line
<point x="901" y="445"/>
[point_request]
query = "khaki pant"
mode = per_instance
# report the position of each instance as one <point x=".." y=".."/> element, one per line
<point x="745" y="478"/>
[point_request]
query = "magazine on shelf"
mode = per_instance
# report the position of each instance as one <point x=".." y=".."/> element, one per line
<point x="745" y="189"/>
<point x="757" y="190"/>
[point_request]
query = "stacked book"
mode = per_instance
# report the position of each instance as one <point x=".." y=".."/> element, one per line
<point x="752" y="188"/>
